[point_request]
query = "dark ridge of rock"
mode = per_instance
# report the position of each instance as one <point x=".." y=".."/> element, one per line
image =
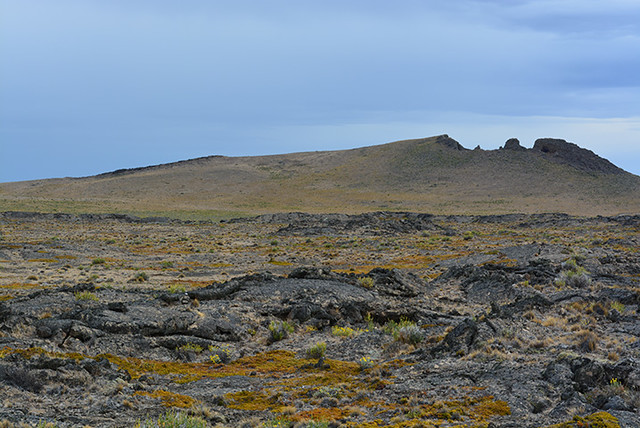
<point x="126" y="171"/>
<point x="575" y="156"/>
<point x="484" y="284"/>
<point x="447" y="141"/>
<point x="513" y="144"/>
<point x="92" y="218"/>
<point x="397" y="283"/>
<point x="374" y="223"/>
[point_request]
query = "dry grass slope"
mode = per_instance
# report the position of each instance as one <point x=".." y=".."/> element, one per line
<point x="427" y="175"/>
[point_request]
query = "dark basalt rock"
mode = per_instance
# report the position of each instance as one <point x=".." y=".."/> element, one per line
<point x="447" y="141"/>
<point x="513" y="144"/>
<point x="575" y="156"/>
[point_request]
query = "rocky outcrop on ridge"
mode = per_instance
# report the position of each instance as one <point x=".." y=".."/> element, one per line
<point x="575" y="156"/>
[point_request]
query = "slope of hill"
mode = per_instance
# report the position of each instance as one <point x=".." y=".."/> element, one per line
<point x="435" y="175"/>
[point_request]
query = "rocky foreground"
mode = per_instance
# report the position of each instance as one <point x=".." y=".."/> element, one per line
<point x="375" y="320"/>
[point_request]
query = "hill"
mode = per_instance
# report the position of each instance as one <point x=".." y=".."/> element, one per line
<point x="436" y="175"/>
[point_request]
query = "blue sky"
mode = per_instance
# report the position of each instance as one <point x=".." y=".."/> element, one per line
<point x="88" y="86"/>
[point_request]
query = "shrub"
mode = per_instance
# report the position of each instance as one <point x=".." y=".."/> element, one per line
<point x="190" y="347"/>
<point x="586" y="341"/>
<point x="280" y="330"/>
<point x="276" y="423"/>
<point x="177" y="288"/>
<point x="98" y="261"/>
<point x="369" y="320"/>
<point x="86" y="295"/>
<point x="617" y="306"/>
<point x="141" y="277"/>
<point x="366" y="282"/>
<point x="173" y="420"/>
<point x="404" y="331"/>
<point x="316" y="424"/>
<point x="317" y="351"/>
<point x="220" y="354"/>
<point x="573" y="276"/>
<point x="342" y="331"/>
<point x="365" y="363"/>
<point x="411" y="334"/>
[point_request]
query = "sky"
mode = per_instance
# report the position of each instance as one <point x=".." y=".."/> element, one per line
<point x="89" y="86"/>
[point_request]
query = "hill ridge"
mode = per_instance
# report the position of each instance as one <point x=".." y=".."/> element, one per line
<point x="433" y="174"/>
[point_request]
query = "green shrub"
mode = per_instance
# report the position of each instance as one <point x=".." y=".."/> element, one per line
<point x="173" y="420"/>
<point x="404" y="331"/>
<point x="365" y="363"/>
<point x="369" y="320"/>
<point x="343" y="331"/>
<point x="317" y="351"/>
<point x="280" y="330"/>
<point x="411" y="334"/>
<point x="177" y="288"/>
<point x="190" y="347"/>
<point x="141" y="277"/>
<point x="86" y="295"/>
<point x="98" y="261"/>
<point x="279" y="422"/>
<point x="316" y="424"/>
<point x="220" y="354"/>
<point x="573" y="275"/>
<point x="366" y="282"/>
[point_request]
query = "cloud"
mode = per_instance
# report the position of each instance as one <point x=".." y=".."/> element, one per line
<point x="127" y="73"/>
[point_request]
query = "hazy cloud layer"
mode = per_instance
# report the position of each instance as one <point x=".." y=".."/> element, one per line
<point x="89" y="86"/>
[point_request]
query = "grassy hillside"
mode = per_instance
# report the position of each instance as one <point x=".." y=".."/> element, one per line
<point x="428" y="175"/>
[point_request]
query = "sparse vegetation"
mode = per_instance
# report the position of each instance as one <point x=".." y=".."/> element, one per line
<point x="190" y="347"/>
<point x="140" y="277"/>
<point x="317" y="351"/>
<point x="173" y="420"/>
<point x="177" y="288"/>
<point x="404" y="331"/>
<point x="492" y="317"/>
<point x="280" y="330"/>
<point x="366" y="282"/>
<point x="86" y="295"/>
<point x="343" y="331"/>
<point x="573" y="276"/>
<point x="365" y="363"/>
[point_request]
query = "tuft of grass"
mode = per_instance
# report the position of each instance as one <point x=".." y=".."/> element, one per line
<point x="366" y="282"/>
<point x="190" y="347"/>
<point x="220" y="354"/>
<point x="404" y="331"/>
<point x="280" y="330"/>
<point x="573" y="275"/>
<point x="98" y="261"/>
<point x="173" y="420"/>
<point x="317" y="351"/>
<point x="141" y="277"/>
<point x="177" y="288"/>
<point x="343" y="331"/>
<point x="86" y="295"/>
<point x="278" y="422"/>
<point x="411" y="334"/>
<point x="365" y="363"/>
<point x="586" y="340"/>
